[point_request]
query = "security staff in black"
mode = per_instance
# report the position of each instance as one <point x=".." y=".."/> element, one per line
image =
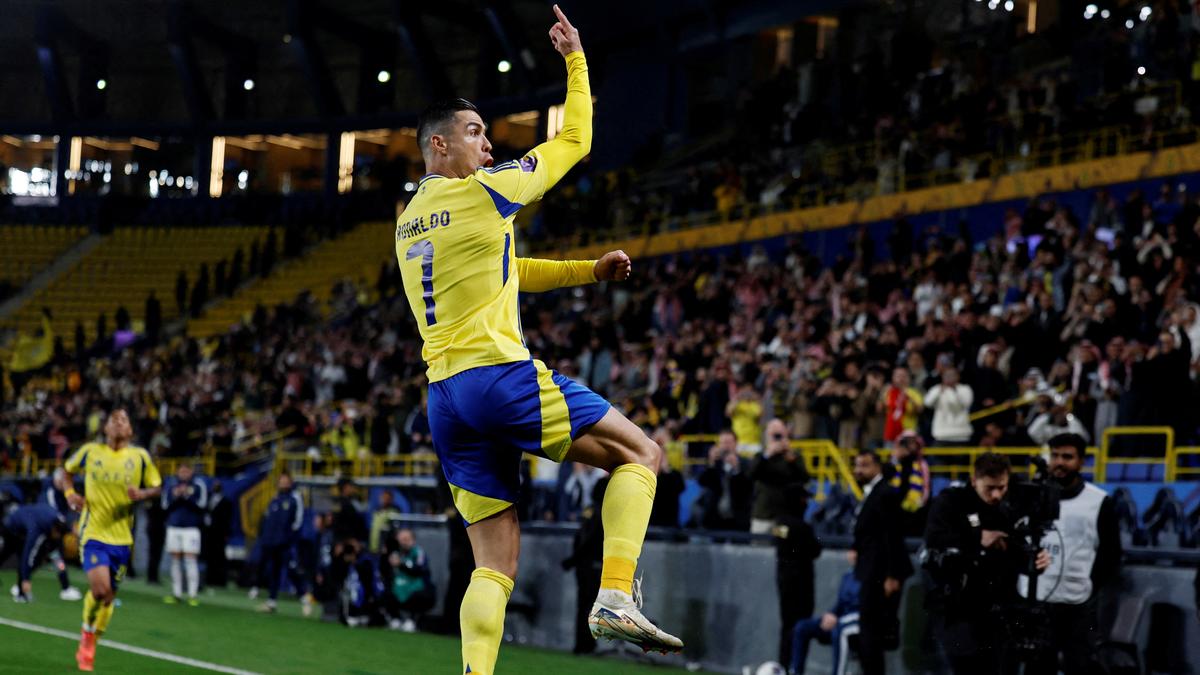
<point x="1085" y="547"/>
<point x="881" y="563"/>
<point x="970" y="569"/>
<point x="277" y="538"/>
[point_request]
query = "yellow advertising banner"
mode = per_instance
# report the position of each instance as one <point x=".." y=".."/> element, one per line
<point x="1020" y="185"/>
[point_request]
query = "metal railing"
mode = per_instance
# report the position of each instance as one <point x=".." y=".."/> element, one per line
<point x="211" y="458"/>
<point x="1169" y="459"/>
<point x="829" y="464"/>
<point x="30" y="467"/>
<point x="302" y="464"/>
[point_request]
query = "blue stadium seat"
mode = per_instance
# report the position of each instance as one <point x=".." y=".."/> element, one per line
<point x="1164" y="520"/>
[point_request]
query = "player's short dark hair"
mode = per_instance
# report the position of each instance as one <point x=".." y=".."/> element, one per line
<point x="992" y="465"/>
<point x="873" y="455"/>
<point x="1073" y="440"/>
<point x="436" y="115"/>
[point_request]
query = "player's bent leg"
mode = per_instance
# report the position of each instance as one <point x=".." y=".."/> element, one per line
<point x="99" y="592"/>
<point x="616" y="444"/>
<point x="612" y="442"/>
<point x="496" y="545"/>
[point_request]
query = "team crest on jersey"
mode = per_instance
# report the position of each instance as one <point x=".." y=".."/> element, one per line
<point x="528" y="163"/>
<point x="129" y="464"/>
<point x="97" y="463"/>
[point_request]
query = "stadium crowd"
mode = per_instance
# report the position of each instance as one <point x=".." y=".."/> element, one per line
<point x="1061" y="322"/>
<point x="1089" y="317"/>
<point x="910" y="111"/>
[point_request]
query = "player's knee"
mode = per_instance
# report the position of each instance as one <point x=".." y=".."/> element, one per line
<point x="645" y="452"/>
<point x="102" y="593"/>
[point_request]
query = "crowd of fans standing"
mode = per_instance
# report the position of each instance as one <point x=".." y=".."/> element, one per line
<point x="1095" y="326"/>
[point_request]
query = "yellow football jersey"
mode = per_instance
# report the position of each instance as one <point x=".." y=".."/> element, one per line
<point x="456" y="248"/>
<point x="108" y="475"/>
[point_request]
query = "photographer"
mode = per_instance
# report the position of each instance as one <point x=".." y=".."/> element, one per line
<point x="971" y="569"/>
<point x="1085" y="547"/>
<point x="1054" y="419"/>
<point x="776" y="468"/>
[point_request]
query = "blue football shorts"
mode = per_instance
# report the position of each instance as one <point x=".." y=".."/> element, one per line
<point x="483" y="419"/>
<point x="112" y="556"/>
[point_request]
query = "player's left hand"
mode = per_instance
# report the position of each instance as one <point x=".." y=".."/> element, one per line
<point x="563" y="35"/>
<point x="134" y="493"/>
<point x="613" y="266"/>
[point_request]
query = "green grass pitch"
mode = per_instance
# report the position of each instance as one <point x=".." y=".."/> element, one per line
<point x="225" y="630"/>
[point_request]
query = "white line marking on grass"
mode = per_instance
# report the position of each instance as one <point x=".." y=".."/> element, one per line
<point x="120" y="646"/>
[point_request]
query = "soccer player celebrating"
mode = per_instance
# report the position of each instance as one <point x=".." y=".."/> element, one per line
<point x="116" y="476"/>
<point x="488" y="400"/>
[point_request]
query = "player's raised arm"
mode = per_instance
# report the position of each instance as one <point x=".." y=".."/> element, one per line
<point x="574" y="142"/>
<point x="537" y="275"/>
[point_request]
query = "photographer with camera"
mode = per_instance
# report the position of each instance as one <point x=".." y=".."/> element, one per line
<point x="971" y="568"/>
<point x="777" y="467"/>
<point x="1085" y="548"/>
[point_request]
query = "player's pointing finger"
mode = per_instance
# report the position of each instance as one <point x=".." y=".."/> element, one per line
<point x="562" y="17"/>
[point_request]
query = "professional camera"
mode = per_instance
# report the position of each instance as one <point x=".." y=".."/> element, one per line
<point x="1034" y="507"/>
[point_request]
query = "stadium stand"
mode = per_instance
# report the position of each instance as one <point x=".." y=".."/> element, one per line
<point x="1014" y="210"/>
<point x="26" y="250"/>
<point x="354" y="256"/>
<point x="125" y="268"/>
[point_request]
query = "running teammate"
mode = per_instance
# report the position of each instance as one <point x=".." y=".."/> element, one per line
<point x="116" y="477"/>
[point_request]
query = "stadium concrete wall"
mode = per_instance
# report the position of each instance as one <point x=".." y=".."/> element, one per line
<point x="721" y="599"/>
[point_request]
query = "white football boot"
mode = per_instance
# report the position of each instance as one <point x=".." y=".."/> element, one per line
<point x="617" y="616"/>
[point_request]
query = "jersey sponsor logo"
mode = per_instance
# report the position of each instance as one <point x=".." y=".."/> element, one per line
<point x="111" y="477"/>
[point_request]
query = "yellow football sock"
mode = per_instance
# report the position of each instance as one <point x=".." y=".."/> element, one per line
<point x="625" y="514"/>
<point x="482" y="620"/>
<point x="103" y="617"/>
<point x="91" y="609"/>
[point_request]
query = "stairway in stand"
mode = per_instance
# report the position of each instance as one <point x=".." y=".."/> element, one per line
<point x="355" y="256"/>
<point x="123" y="269"/>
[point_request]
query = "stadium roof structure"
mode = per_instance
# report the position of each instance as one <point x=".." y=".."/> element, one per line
<point x="221" y="66"/>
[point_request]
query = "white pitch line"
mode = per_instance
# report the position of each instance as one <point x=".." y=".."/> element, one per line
<point x="120" y="646"/>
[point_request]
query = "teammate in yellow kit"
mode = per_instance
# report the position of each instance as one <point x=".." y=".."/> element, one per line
<point x="488" y="400"/>
<point x="116" y="476"/>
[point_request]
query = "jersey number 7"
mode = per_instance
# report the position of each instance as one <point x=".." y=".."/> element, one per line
<point x="424" y="251"/>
